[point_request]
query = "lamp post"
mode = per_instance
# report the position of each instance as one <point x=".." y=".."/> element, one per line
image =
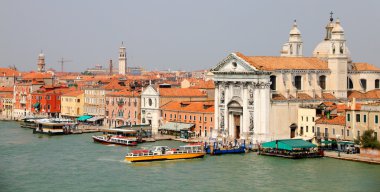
<point x="338" y="138"/>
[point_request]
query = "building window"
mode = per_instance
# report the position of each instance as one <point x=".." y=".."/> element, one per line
<point x="170" y="116"/>
<point x="200" y="119"/>
<point x="357" y="118"/>
<point x="326" y="132"/>
<point x="348" y="117"/>
<point x="313" y="119"/>
<point x="185" y="117"/>
<point x="205" y="119"/>
<point x="322" y="82"/>
<point x="301" y="131"/>
<point x="350" y="85"/>
<point x="307" y="118"/>
<point x="342" y="132"/>
<point x="190" y="117"/>
<point x="377" y="84"/>
<point x="333" y="131"/>
<point x="165" y="115"/>
<point x="312" y="128"/>
<point x="364" y="118"/>
<point x="348" y="133"/>
<point x="376" y="119"/>
<point x="298" y="82"/>
<point x="273" y="81"/>
<point x="307" y="129"/>
<point x="363" y="83"/>
<point x="179" y="117"/>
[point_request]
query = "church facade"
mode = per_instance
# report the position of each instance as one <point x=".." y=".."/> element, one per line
<point x="257" y="97"/>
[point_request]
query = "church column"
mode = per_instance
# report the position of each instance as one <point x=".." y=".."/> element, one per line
<point x="216" y="110"/>
<point x="245" y="116"/>
<point x="226" y="100"/>
<point x="257" y="112"/>
<point x="265" y="114"/>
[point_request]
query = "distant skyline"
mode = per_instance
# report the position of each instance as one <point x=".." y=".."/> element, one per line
<point x="176" y="35"/>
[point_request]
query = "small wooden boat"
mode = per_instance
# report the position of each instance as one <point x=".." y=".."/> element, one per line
<point x="159" y="153"/>
<point x="118" y="140"/>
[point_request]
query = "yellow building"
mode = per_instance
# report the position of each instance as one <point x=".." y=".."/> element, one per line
<point x="72" y="104"/>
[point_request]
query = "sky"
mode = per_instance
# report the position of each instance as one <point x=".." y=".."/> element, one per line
<point x="174" y="34"/>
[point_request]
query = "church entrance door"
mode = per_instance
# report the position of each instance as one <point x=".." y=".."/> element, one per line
<point x="237" y="126"/>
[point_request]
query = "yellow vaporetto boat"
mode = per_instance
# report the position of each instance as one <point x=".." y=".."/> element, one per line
<point x="158" y="153"/>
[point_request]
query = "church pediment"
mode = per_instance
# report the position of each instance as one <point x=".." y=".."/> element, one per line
<point x="149" y="90"/>
<point x="233" y="63"/>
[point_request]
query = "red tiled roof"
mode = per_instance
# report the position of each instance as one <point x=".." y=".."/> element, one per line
<point x="181" y="92"/>
<point x="6" y="96"/>
<point x="73" y="93"/>
<point x="373" y="94"/>
<point x="124" y="93"/>
<point x="278" y="97"/>
<point x="328" y="96"/>
<point x="201" y="84"/>
<point x="113" y="85"/>
<point x="6" y="89"/>
<point x="338" y="120"/>
<point x="198" y="106"/>
<point x="364" y="67"/>
<point x="36" y="75"/>
<point x="8" y="72"/>
<point x="304" y="96"/>
<point x="271" y="63"/>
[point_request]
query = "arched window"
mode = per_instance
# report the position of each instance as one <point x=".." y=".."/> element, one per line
<point x="350" y="85"/>
<point x="273" y="81"/>
<point x="363" y="83"/>
<point x="377" y="84"/>
<point x="298" y="82"/>
<point x="322" y="82"/>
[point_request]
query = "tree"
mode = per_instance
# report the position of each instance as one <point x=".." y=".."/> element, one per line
<point x="369" y="140"/>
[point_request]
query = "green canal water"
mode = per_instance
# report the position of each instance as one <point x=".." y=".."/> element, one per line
<point x="32" y="162"/>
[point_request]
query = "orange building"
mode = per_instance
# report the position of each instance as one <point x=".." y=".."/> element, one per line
<point x="198" y="113"/>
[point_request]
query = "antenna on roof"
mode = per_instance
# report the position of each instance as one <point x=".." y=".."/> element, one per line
<point x="331" y="16"/>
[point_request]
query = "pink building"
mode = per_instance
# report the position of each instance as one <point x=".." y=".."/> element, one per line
<point x="122" y="108"/>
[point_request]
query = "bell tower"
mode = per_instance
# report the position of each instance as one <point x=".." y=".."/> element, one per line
<point x="338" y="62"/>
<point x="122" y="59"/>
<point x="41" y="62"/>
<point x="293" y="48"/>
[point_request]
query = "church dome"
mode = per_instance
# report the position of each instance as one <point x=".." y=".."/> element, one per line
<point x="322" y="49"/>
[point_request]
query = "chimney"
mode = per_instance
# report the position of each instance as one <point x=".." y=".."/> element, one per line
<point x="110" y="65"/>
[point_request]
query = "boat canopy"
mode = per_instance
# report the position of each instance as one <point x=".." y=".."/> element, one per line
<point x="174" y="126"/>
<point x="288" y="144"/>
<point x="93" y="119"/>
<point x="84" y="117"/>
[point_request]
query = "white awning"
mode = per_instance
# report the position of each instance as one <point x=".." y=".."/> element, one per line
<point x="93" y="119"/>
<point x="174" y="126"/>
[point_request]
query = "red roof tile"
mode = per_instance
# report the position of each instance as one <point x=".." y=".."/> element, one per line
<point x="271" y="63"/>
<point x="364" y="67"/>
<point x="194" y="106"/>
<point x="181" y="92"/>
<point x="338" y="120"/>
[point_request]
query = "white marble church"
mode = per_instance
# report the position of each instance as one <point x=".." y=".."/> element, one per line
<point x="256" y="96"/>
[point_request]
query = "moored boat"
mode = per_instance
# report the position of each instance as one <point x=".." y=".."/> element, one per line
<point x="217" y="149"/>
<point x="54" y="126"/>
<point x="118" y="140"/>
<point x="159" y="153"/>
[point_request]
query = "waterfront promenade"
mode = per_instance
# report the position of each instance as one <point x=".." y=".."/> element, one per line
<point x="352" y="157"/>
